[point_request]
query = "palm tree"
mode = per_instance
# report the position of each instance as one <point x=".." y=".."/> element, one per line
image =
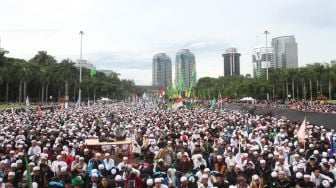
<point x="68" y="72"/>
<point x="45" y="61"/>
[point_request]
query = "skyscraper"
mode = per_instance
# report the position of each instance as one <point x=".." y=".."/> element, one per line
<point x="231" y="62"/>
<point x="184" y="67"/>
<point x="161" y="70"/>
<point x="285" y="52"/>
<point x="259" y="60"/>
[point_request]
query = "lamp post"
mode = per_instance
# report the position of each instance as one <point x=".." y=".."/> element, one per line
<point x="266" y="52"/>
<point x="80" y="67"/>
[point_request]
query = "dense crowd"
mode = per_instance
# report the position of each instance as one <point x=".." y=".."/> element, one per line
<point x="306" y="106"/>
<point x="186" y="148"/>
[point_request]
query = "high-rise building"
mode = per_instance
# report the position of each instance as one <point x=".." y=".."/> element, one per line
<point x="231" y="62"/>
<point x="185" y="65"/>
<point x="161" y="70"/>
<point x="260" y="62"/>
<point x="84" y="64"/>
<point x="285" y="52"/>
<point x="333" y="62"/>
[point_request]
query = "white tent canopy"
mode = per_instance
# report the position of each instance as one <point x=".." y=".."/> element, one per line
<point x="247" y="99"/>
<point x="105" y="99"/>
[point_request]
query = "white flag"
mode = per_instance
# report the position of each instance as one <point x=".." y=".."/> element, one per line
<point x="302" y="132"/>
<point x="27" y="101"/>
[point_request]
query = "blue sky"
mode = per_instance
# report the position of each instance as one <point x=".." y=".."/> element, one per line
<point x="123" y="35"/>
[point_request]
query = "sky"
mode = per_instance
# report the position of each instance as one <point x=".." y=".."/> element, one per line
<point x="124" y="35"/>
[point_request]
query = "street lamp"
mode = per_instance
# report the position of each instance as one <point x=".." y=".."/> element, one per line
<point x="266" y="33"/>
<point x="80" y="67"/>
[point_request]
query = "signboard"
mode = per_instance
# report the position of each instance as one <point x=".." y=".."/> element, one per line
<point x="265" y="64"/>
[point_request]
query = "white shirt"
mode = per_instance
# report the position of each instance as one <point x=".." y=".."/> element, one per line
<point x="55" y="164"/>
<point x="108" y="164"/>
<point x="34" y="150"/>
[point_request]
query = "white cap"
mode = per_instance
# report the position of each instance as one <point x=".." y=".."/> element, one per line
<point x="205" y="176"/>
<point x="35" y="185"/>
<point x="96" y="175"/>
<point x="11" y="173"/>
<point x="63" y="169"/>
<point x="125" y="158"/>
<point x="36" y="168"/>
<point x="14" y="165"/>
<point x="324" y="154"/>
<point x="149" y="182"/>
<point x="325" y="183"/>
<point x="299" y="175"/>
<point x="183" y="178"/>
<point x="306" y="176"/>
<point x="301" y="165"/>
<point x="255" y="177"/>
<point x="19" y="161"/>
<point x="158" y="180"/>
<point x="274" y="174"/>
<point x="94" y="171"/>
<point x="101" y="167"/>
<point x="316" y="152"/>
<point x="113" y="171"/>
<point x="332" y="161"/>
<point x="262" y="161"/>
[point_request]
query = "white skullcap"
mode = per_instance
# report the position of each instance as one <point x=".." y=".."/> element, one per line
<point x="59" y="157"/>
<point x="325" y="183"/>
<point x="96" y="175"/>
<point x="107" y="154"/>
<point x="219" y="157"/>
<point x="274" y="174"/>
<point x="81" y="158"/>
<point x="301" y="150"/>
<point x="11" y="173"/>
<point x="262" y="161"/>
<point x="183" y="178"/>
<point x="36" y="168"/>
<point x="316" y="152"/>
<point x="158" y="180"/>
<point x="63" y="169"/>
<point x="311" y="145"/>
<point x="14" y="165"/>
<point x="324" y="154"/>
<point x="98" y="155"/>
<point x="85" y="150"/>
<point x="306" y="176"/>
<point x="255" y="177"/>
<point x="31" y="164"/>
<point x="324" y="160"/>
<point x="35" y="185"/>
<point x="299" y="175"/>
<point x="94" y="171"/>
<point x="332" y="161"/>
<point x="101" y="167"/>
<point x="207" y="170"/>
<point x="301" y="165"/>
<point x="113" y="171"/>
<point x="63" y="153"/>
<point x="125" y="158"/>
<point x="205" y="176"/>
<point x="149" y="182"/>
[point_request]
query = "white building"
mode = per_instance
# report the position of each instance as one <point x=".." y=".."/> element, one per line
<point x="84" y="64"/>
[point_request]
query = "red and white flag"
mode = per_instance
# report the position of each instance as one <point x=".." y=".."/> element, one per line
<point x="162" y="92"/>
<point x="302" y="132"/>
<point x="178" y="103"/>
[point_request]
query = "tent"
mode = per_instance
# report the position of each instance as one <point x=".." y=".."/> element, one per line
<point x="247" y="99"/>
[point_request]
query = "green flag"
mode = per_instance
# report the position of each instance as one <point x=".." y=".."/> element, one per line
<point x="213" y="102"/>
<point x="29" y="177"/>
<point x="93" y="72"/>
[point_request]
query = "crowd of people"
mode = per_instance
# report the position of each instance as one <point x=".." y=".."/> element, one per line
<point x="187" y="148"/>
<point x="306" y="106"/>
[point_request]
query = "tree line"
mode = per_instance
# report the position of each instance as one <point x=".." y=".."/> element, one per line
<point x="43" y="79"/>
<point x="307" y="83"/>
